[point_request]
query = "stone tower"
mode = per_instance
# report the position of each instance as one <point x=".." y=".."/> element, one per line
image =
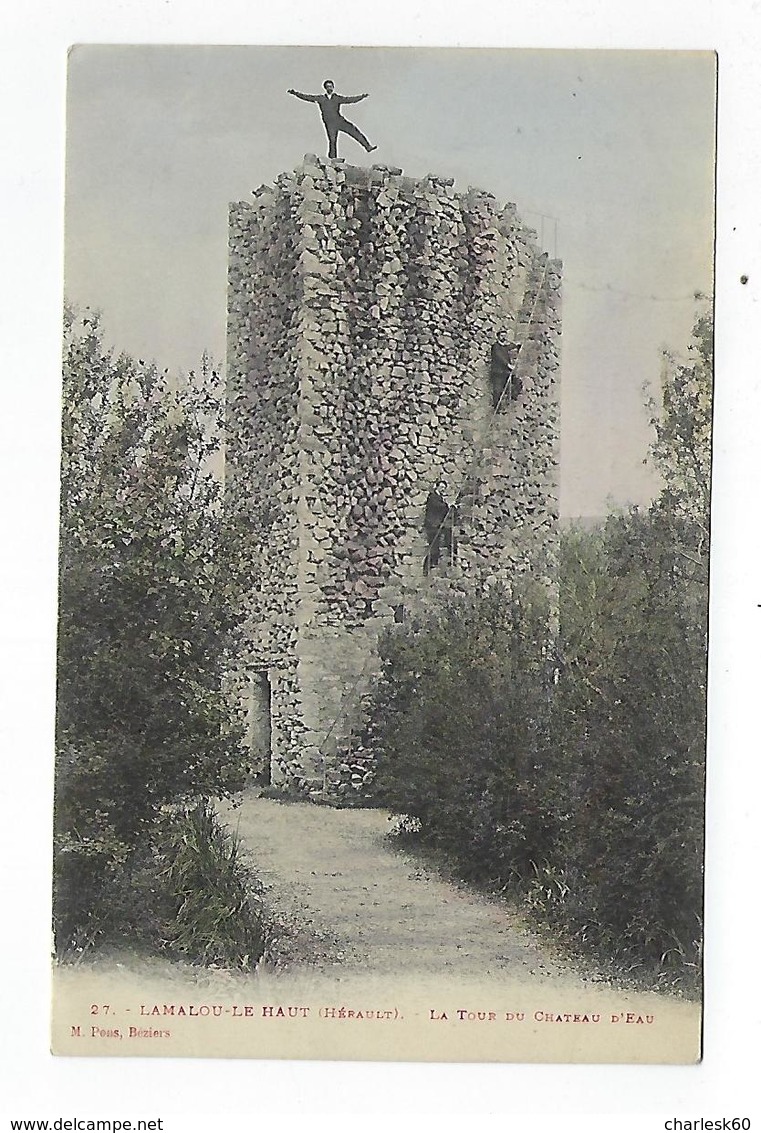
<point x="393" y="422"/>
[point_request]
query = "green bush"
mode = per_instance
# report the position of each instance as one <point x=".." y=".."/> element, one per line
<point x="628" y="741"/>
<point x="184" y="893"/>
<point x="456" y="730"/>
<point x="151" y="578"/>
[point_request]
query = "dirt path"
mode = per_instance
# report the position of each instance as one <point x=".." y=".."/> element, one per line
<point x="343" y="894"/>
<point x="375" y="957"/>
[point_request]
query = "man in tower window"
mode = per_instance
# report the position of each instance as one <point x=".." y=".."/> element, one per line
<point x="330" y="105"/>
<point x="438" y="526"/>
<point x="506" y="386"/>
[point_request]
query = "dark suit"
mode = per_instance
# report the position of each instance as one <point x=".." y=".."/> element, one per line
<point x="506" y="386"/>
<point x="333" y="120"/>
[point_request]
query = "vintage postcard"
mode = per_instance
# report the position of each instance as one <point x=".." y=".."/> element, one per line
<point x="386" y="437"/>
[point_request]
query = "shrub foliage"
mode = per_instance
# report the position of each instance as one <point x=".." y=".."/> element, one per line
<point x="628" y="740"/>
<point x="148" y="602"/>
<point x="457" y="731"/>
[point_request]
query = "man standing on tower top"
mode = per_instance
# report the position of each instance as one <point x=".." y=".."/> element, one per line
<point x="330" y="108"/>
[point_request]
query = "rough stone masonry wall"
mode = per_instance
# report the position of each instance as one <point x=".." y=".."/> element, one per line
<point x="363" y="306"/>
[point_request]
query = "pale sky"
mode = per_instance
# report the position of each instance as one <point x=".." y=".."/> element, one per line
<point x="618" y="146"/>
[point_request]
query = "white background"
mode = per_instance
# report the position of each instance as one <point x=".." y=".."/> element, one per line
<point x="227" y="1095"/>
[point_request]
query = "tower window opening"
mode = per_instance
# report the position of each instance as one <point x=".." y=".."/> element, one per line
<point x="438" y="526"/>
<point x="506" y="386"/>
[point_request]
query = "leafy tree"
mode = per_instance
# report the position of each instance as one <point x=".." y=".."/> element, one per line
<point x="628" y="741"/>
<point x="682" y="447"/>
<point x="628" y="721"/>
<point x="150" y="586"/>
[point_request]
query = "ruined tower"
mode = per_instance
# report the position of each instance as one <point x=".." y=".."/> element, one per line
<point x="392" y="422"/>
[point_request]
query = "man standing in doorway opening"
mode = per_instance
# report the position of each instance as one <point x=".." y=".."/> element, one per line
<point x="330" y="105"/>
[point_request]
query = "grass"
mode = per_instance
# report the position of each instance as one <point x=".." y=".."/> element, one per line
<point x="186" y="894"/>
<point x="216" y="916"/>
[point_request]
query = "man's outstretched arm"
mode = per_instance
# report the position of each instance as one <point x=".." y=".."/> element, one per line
<point x="351" y="97"/>
<point x="306" y="97"/>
